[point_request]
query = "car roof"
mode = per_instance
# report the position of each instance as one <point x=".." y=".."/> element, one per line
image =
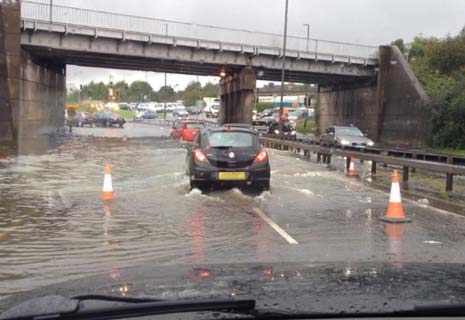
<point x="237" y="125"/>
<point x="226" y="129"/>
<point x="346" y="127"/>
<point x="192" y="121"/>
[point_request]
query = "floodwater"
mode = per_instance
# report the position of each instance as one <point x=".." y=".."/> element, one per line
<point x="54" y="226"/>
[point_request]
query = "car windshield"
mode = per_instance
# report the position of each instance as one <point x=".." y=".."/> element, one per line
<point x="193" y="125"/>
<point x="231" y="139"/>
<point x="348" y="131"/>
<point x="108" y="186"/>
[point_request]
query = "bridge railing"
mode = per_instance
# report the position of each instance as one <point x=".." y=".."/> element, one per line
<point x="98" y="19"/>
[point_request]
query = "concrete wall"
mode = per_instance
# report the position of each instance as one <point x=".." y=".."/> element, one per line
<point x="10" y="55"/>
<point x="388" y="109"/>
<point x="32" y="91"/>
<point x="357" y="106"/>
<point x="237" y="97"/>
<point x="42" y="94"/>
<point x="403" y="120"/>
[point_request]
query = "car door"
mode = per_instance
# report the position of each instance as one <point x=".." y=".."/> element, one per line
<point x="175" y="131"/>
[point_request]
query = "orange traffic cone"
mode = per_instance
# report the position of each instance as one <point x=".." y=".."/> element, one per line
<point x="352" y="172"/>
<point x="107" y="193"/>
<point x="395" y="212"/>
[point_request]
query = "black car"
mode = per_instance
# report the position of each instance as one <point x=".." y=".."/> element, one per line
<point x="288" y="129"/>
<point x="83" y="118"/>
<point x="106" y="118"/>
<point x="230" y="157"/>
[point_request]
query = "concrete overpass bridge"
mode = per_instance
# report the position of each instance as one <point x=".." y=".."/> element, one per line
<point x="38" y="41"/>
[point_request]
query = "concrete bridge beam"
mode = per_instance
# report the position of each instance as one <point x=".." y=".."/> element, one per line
<point x="237" y="97"/>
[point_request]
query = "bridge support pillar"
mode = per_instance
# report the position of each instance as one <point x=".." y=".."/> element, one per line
<point x="42" y="103"/>
<point x="32" y="91"/>
<point x="10" y="60"/>
<point x="237" y="97"/>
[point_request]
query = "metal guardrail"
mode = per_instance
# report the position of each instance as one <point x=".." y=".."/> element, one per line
<point x="170" y="122"/>
<point x="99" y="19"/>
<point x="324" y="155"/>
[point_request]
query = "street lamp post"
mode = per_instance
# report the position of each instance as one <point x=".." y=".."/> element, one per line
<point x="281" y="106"/>
<point x="164" y="100"/>
<point x="308" y="33"/>
<point x="51" y="11"/>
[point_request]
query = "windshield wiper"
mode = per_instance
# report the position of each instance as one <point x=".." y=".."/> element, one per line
<point x="71" y="309"/>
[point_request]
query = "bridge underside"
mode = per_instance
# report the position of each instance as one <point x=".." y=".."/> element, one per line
<point x="120" y="52"/>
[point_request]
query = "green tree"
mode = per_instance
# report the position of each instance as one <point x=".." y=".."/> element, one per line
<point x="166" y="94"/>
<point x="139" y="89"/>
<point x="95" y="91"/>
<point x="121" y="91"/>
<point x="192" y="93"/>
<point x="210" y="90"/>
<point x="72" y="96"/>
<point x="439" y="64"/>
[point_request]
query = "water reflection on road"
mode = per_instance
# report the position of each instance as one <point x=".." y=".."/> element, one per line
<point x="54" y="227"/>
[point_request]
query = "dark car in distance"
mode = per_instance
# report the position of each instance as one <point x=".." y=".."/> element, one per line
<point x="83" y="118"/>
<point x="228" y="157"/>
<point x="107" y="118"/>
<point x="288" y="129"/>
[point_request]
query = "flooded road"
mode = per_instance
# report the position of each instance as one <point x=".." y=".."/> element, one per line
<point x="54" y="226"/>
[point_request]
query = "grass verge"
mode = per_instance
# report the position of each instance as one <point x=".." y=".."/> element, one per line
<point x="126" y="113"/>
<point x="309" y="128"/>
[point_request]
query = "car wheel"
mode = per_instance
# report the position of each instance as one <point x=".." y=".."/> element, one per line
<point x="264" y="186"/>
<point x="121" y="125"/>
<point x="196" y="185"/>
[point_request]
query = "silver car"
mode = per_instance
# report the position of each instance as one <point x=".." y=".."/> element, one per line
<point x="339" y="136"/>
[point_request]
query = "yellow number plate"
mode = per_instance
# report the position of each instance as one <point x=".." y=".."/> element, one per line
<point x="231" y="175"/>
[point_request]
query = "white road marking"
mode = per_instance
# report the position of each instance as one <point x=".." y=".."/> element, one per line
<point x="277" y="228"/>
<point x="432" y="242"/>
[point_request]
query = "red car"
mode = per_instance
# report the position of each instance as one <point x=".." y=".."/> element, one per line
<point x="185" y="130"/>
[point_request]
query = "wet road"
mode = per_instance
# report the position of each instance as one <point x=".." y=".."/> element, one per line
<point x="54" y="227"/>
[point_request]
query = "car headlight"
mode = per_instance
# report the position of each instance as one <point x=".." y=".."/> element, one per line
<point x="276" y="132"/>
<point x="345" y="142"/>
<point x="371" y="143"/>
<point x="293" y="132"/>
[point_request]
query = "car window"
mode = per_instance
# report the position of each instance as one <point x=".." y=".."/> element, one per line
<point x="193" y="125"/>
<point x="349" y="131"/>
<point x="230" y="139"/>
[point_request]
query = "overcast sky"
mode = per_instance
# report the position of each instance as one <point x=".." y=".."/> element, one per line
<point x="371" y="22"/>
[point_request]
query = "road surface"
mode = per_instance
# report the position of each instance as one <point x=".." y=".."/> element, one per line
<point x="54" y="226"/>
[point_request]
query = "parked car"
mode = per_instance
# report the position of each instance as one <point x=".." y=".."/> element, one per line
<point x="299" y="114"/>
<point x="194" y="110"/>
<point x="83" y="118"/>
<point x="124" y="106"/>
<point x="288" y="129"/>
<point x="262" y="125"/>
<point x="222" y="156"/>
<point x="342" y="136"/>
<point x="180" y="113"/>
<point x="185" y="130"/>
<point x="148" y="114"/>
<point x="266" y="113"/>
<point x="107" y="118"/>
